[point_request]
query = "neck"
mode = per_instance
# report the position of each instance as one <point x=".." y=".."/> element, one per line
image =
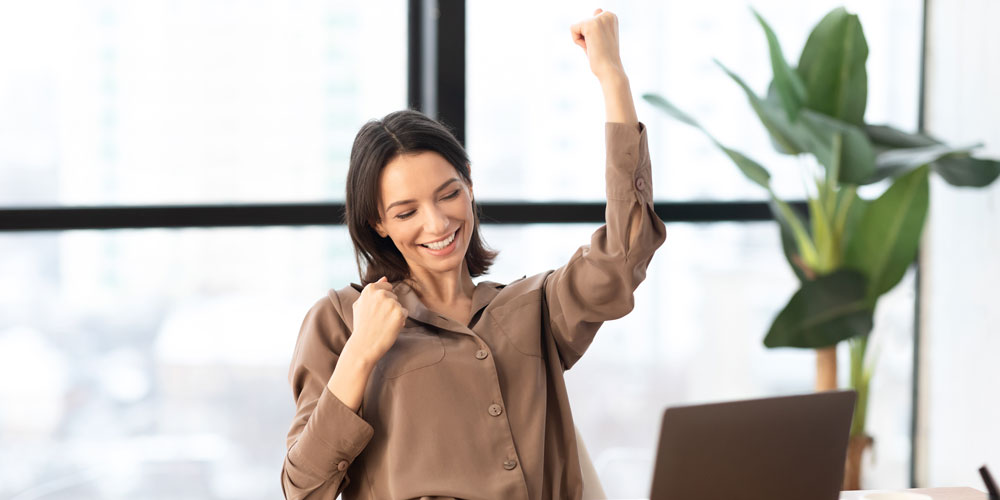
<point x="443" y="288"/>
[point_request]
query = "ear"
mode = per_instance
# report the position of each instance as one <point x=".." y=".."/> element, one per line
<point x="469" y="183"/>
<point x="380" y="229"/>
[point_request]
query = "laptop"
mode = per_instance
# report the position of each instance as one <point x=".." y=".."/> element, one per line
<point x="783" y="448"/>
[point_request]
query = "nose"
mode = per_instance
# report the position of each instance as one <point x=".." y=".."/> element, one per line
<point x="436" y="222"/>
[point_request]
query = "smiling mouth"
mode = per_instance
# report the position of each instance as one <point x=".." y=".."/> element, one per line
<point x="442" y="243"/>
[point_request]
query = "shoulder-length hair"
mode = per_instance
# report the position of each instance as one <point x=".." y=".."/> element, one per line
<point x="377" y="143"/>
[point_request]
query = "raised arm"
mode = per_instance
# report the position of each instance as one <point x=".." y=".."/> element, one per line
<point x="598" y="36"/>
<point x="598" y="282"/>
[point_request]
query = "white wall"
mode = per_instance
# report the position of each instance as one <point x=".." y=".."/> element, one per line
<point x="959" y="412"/>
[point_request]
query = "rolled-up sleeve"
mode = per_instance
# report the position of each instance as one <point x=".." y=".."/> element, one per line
<point x="325" y="436"/>
<point x="598" y="282"/>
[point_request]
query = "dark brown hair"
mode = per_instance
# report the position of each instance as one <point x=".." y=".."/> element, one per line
<point x="377" y="143"/>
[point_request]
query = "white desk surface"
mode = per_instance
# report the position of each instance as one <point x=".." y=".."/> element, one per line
<point x="935" y="493"/>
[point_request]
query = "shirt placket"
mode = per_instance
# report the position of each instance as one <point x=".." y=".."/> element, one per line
<point x="419" y="313"/>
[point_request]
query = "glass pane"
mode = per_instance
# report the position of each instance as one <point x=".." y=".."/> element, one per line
<point x="535" y="112"/>
<point x="190" y="101"/>
<point x="154" y="363"/>
<point x="157" y="359"/>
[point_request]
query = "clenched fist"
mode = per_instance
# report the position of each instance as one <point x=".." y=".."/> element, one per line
<point x="378" y="317"/>
<point x="598" y="36"/>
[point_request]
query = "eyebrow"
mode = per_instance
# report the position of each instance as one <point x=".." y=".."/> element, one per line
<point x="442" y="186"/>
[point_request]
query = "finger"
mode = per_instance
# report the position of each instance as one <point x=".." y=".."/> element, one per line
<point x="380" y="285"/>
<point x="383" y="279"/>
<point x="598" y="11"/>
<point x="578" y="35"/>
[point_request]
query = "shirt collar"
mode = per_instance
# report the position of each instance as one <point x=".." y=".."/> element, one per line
<point x="483" y="294"/>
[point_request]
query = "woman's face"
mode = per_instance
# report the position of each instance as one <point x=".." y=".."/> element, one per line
<point x="426" y="209"/>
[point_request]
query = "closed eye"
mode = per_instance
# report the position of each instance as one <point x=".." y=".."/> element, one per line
<point x="406" y="215"/>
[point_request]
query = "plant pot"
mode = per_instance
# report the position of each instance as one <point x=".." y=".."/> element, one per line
<point x="856" y="447"/>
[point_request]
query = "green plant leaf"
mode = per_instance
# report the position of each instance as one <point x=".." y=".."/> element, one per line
<point x="753" y="171"/>
<point x="884" y="242"/>
<point x="813" y="133"/>
<point x="789" y="86"/>
<point x="774" y="99"/>
<point x="904" y="151"/>
<point x="850" y="208"/>
<point x="823" y="312"/>
<point x="895" y="162"/>
<point x="911" y="158"/>
<point x="664" y="105"/>
<point x="793" y="237"/>
<point x="832" y="66"/>
<point x="783" y="213"/>
<point x="893" y="138"/>
<point x="854" y="214"/>
<point x="966" y="171"/>
<point x="857" y="157"/>
<point x="750" y="168"/>
<point x="790" y="249"/>
<point x="790" y="139"/>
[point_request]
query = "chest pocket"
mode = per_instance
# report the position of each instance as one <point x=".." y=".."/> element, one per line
<point x="415" y="348"/>
<point x="520" y="320"/>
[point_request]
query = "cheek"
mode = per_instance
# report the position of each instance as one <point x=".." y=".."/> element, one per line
<point x="401" y="233"/>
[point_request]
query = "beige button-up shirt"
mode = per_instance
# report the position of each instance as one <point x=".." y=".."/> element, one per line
<point x="479" y="410"/>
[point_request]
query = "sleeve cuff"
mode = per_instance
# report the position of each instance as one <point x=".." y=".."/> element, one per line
<point x="334" y="436"/>
<point x="628" y="175"/>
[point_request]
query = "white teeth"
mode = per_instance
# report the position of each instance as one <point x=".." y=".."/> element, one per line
<point x="438" y="245"/>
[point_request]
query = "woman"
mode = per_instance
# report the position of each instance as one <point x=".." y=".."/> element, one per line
<point x="424" y="384"/>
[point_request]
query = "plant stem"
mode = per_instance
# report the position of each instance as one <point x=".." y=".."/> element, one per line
<point x="843" y="208"/>
<point x="826" y="369"/>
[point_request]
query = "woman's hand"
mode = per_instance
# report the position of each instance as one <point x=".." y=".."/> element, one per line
<point x="378" y="317"/>
<point x="598" y="36"/>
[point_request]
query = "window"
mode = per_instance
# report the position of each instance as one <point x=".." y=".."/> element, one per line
<point x="535" y="110"/>
<point x="157" y="358"/>
<point x="154" y="360"/>
<point x="127" y="103"/>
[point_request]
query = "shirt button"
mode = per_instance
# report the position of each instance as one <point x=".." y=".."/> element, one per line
<point x="342" y="466"/>
<point x="510" y="464"/>
<point x="495" y="410"/>
<point x="482" y="354"/>
<point x="640" y="183"/>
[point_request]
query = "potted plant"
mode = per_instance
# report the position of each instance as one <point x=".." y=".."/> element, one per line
<point x="847" y="251"/>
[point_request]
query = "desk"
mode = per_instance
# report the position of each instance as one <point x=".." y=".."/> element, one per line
<point x="935" y="493"/>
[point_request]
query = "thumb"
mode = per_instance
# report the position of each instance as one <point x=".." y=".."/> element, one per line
<point x="598" y="11"/>
<point x="382" y="280"/>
